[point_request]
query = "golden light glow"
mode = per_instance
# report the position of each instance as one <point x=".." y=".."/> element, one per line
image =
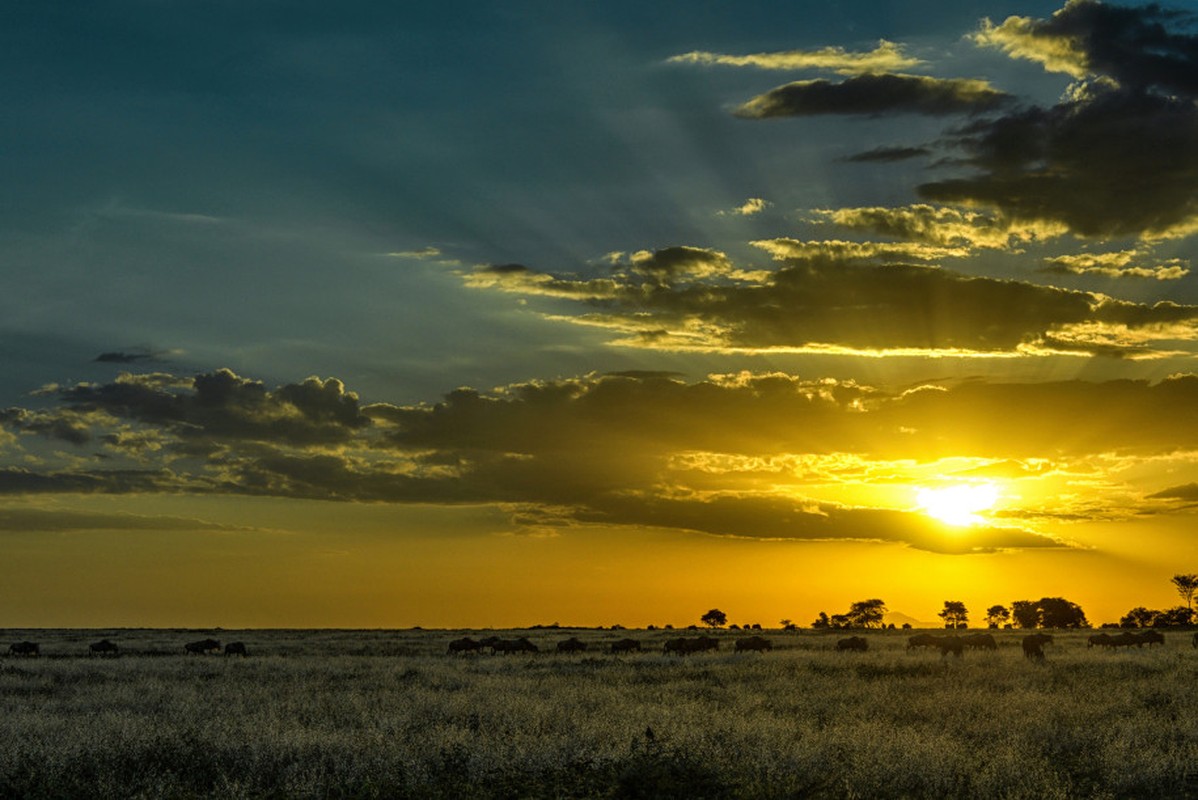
<point x="958" y="505"/>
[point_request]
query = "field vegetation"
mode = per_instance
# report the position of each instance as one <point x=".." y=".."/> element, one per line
<point x="390" y="714"/>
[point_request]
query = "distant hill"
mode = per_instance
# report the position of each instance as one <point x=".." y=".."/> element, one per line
<point x="898" y="619"/>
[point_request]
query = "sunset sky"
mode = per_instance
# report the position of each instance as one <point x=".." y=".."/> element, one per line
<point x="495" y="314"/>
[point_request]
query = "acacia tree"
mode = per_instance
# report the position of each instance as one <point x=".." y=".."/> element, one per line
<point x="867" y="613"/>
<point x="714" y="618"/>
<point x="1186" y="586"/>
<point x="1025" y="614"/>
<point x="997" y="616"/>
<point x="955" y="614"/>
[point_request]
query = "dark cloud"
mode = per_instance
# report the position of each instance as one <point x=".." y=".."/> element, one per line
<point x="888" y="154"/>
<point x="876" y="94"/>
<point x="826" y="295"/>
<point x="1108" y="163"/>
<point x="55" y="520"/>
<point x="1187" y="492"/>
<point x="1132" y="45"/>
<point x="122" y="358"/>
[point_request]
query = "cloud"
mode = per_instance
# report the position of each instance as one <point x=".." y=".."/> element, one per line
<point x="835" y="296"/>
<point x="754" y="205"/>
<point x="876" y="94"/>
<point x="122" y="358"/>
<point x="741" y="455"/>
<point x="1106" y="163"/>
<point x="888" y="154"/>
<point x="59" y="520"/>
<point x="1121" y="264"/>
<point x="1131" y="46"/>
<point x="941" y="226"/>
<point x="886" y="57"/>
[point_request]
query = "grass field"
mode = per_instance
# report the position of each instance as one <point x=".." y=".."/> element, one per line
<point x="389" y="714"/>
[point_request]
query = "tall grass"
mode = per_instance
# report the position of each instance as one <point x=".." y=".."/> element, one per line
<point x="388" y="714"/>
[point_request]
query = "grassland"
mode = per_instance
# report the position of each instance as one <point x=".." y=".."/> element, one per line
<point x="389" y="714"/>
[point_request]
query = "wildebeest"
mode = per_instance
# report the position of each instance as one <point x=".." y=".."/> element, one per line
<point x="202" y="646"/>
<point x="521" y="645"/>
<point x="625" y="646"/>
<point x="687" y="645"/>
<point x="758" y="644"/>
<point x="464" y="645"/>
<point x="852" y="644"/>
<point x="980" y="641"/>
<point x="103" y="648"/>
<point x="945" y="644"/>
<point x="572" y="645"/>
<point x="236" y="649"/>
<point x="1100" y="640"/>
<point x="24" y="649"/>
<point x="1033" y="645"/>
<point x="1152" y="637"/>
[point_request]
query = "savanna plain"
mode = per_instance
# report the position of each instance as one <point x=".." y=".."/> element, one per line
<point x="392" y="714"/>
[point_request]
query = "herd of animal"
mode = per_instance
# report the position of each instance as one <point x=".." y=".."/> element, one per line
<point x="108" y="648"/>
<point x="1032" y="645"/>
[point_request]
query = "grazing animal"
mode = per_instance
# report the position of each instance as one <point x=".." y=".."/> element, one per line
<point x="571" y="645"/>
<point x="758" y="644"/>
<point x="1152" y="637"/>
<point x="464" y="645"/>
<point x="1100" y="640"/>
<point x="30" y="649"/>
<point x="201" y="647"/>
<point x="1033" y="645"/>
<point x="1127" y="639"/>
<point x="103" y="648"/>
<point x="950" y="644"/>
<point x="921" y="640"/>
<point x="854" y="644"/>
<point x="521" y="645"/>
<point x="980" y="641"/>
<point x="625" y="646"/>
<point x="688" y="645"/>
<point x="236" y="649"/>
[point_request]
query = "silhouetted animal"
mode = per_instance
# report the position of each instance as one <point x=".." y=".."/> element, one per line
<point x="1152" y="637"/>
<point x="921" y="640"/>
<point x="950" y="644"/>
<point x="236" y="649"/>
<point x="758" y="644"/>
<point x="521" y="645"/>
<point x="203" y="646"/>
<point x="853" y="644"/>
<point x="571" y="645"/>
<point x="625" y="646"/>
<point x="980" y="641"/>
<point x="686" y="646"/>
<point x="30" y="649"/>
<point x="1033" y="645"/>
<point x="103" y="648"/>
<point x="1127" y="639"/>
<point x="1099" y="640"/>
<point x="464" y="645"/>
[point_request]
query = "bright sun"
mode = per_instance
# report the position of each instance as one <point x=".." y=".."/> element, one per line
<point x="958" y="505"/>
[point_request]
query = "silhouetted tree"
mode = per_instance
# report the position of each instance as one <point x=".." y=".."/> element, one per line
<point x="1186" y="586"/>
<point x="1057" y="612"/>
<point x="867" y="613"/>
<point x="1138" y="617"/>
<point x="955" y="615"/>
<point x="822" y="622"/>
<point x="841" y="621"/>
<point x="1173" y="617"/>
<point x="714" y="618"/>
<point x="997" y="615"/>
<point x="1025" y="614"/>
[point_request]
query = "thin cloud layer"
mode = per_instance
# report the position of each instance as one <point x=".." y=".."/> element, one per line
<point x="886" y="57"/>
<point x="874" y="94"/>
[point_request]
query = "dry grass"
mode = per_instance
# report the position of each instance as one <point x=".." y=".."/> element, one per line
<point x="388" y="714"/>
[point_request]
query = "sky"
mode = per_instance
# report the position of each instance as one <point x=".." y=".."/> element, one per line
<point x="501" y="314"/>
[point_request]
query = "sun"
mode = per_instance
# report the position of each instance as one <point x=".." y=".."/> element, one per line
<point x="958" y="505"/>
